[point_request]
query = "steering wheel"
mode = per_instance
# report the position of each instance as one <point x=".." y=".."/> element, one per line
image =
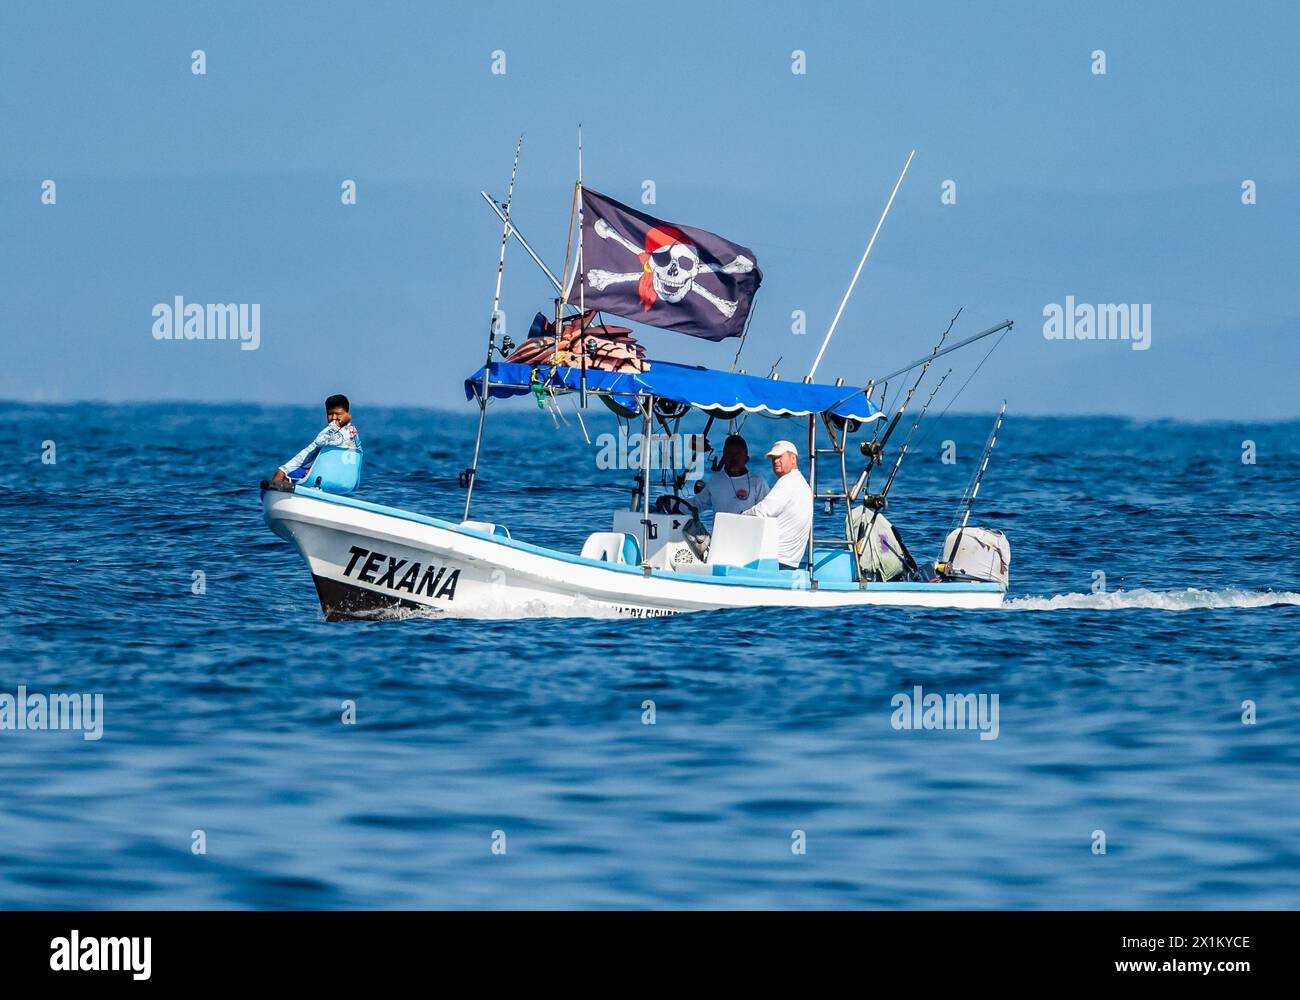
<point x="670" y="504"/>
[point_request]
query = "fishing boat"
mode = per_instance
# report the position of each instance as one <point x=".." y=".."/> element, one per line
<point x="653" y="557"/>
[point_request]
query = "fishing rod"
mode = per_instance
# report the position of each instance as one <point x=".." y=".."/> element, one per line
<point x="858" y="273"/>
<point x="771" y="374"/>
<point x="563" y="301"/>
<point x="743" y="334"/>
<point x="717" y="463"/>
<point x="902" y="452"/>
<point x="875" y="448"/>
<point x="973" y="489"/>
<point x="467" y="477"/>
<point x="957" y="395"/>
<point x="878" y="502"/>
<point x="1004" y="325"/>
<point x="560" y="302"/>
<point x="513" y="231"/>
<point x="915" y="385"/>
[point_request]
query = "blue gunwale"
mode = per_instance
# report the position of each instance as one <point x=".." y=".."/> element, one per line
<point x="665" y="574"/>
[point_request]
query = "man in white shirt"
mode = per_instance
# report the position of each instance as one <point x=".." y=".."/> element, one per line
<point x="790" y="502"/>
<point x="733" y="488"/>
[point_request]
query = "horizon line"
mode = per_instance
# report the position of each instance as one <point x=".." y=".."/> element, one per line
<point x="93" y="401"/>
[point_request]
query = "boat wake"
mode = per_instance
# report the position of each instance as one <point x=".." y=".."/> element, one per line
<point x="1157" y="600"/>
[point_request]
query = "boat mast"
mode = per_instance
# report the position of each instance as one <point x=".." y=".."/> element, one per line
<point x="563" y="300"/>
<point x="582" y="286"/>
<point x="467" y="477"/>
<point x="858" y="273"/>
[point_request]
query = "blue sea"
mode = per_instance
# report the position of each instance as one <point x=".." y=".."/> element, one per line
<point x="1154" y="593"/>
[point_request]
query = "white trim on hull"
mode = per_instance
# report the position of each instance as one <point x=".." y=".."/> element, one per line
<point x="371" y="561"/>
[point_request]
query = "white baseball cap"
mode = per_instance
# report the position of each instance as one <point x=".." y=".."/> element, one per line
<point x="780" y="448"/>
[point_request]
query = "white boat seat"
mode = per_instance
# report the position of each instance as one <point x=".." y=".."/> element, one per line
<point x="663" y="550"/>
<point x="613" y="547"/>
<point x="487" y="527"/>
<point x="744" y="540"/>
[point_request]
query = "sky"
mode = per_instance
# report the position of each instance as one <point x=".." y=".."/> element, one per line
<point x="225" y="186"/>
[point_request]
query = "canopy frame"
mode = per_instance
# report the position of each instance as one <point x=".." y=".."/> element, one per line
<point x="502" y="381"/>
<point x="716" y="393"/>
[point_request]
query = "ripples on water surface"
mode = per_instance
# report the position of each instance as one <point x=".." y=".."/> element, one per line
<point x="1119" y="711"/>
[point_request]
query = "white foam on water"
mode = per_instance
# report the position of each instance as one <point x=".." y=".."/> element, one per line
<point x="1157" y="600"/>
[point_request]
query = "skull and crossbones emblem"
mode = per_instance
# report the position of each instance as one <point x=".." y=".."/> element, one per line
<point x="670" y="264"/>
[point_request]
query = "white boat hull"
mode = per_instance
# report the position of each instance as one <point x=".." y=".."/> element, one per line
<point x="370" y="561"/>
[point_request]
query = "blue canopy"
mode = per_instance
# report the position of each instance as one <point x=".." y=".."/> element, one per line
<point x="708" y="390"/>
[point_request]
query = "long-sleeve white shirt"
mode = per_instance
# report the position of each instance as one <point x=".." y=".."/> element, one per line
<point x="338" y="437"/>
<point x="727" y="494"/>
<point x="790" y="502"/>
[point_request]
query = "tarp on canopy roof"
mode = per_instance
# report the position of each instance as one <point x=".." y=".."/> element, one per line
<point x="703" y="388"/>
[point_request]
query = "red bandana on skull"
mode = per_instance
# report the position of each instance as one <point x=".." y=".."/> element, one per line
<point x="656" y="239"/>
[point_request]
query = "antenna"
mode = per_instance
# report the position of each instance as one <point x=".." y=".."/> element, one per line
<point x="856" y="274"/>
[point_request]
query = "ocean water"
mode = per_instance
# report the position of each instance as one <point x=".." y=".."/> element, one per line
<point x="1121" y="711"/>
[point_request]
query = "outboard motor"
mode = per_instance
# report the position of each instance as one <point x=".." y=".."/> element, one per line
<point x="980" y="555"/>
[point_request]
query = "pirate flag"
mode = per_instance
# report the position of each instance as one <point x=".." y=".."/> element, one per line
<point x="674" y="277"/>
